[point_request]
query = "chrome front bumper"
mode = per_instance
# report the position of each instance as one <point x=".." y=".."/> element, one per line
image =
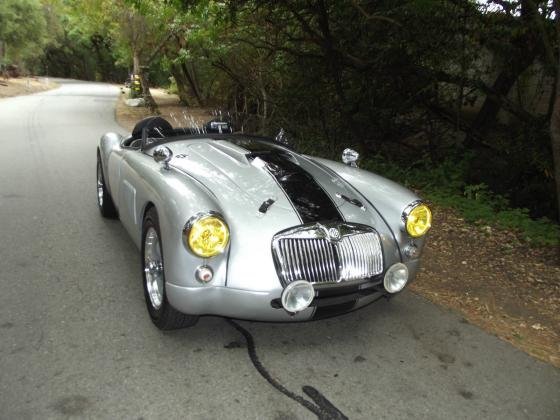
<point x="332" y="299"/>
<point x="265" y="306"/>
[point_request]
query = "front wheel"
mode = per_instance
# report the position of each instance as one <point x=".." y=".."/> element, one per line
<point x="163" y="315"/>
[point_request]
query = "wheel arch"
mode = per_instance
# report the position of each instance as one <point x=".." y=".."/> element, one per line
<point x="147" y="207"/>
<point x="107" y="144"/>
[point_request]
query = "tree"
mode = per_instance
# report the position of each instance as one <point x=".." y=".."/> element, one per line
<point x="139" y="30"/>
<point x="22" y="30"/>
<point x="420" y="82"/>
<point x="555" y="117"/>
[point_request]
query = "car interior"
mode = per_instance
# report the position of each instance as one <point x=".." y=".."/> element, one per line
<point x="151" y="129"/>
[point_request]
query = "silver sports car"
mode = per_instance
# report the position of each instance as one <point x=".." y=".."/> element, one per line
<point x="245" y="227"/>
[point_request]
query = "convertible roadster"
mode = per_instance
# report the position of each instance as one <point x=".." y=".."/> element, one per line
<point x="245" y="227"/>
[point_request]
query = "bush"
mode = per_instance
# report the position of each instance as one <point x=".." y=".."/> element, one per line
<point x="172" y="88"/>
<point x="443" y="185"/>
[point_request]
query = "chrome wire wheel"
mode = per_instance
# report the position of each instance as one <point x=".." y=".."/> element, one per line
<point x="153" y="268"/>
<point x="99" y="185"/>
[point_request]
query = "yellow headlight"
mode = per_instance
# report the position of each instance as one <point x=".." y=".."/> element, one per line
<point x="208" y="236"/>
<point x="418" y="221"/>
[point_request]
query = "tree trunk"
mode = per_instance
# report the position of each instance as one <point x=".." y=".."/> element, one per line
<point x="488" y="113"/>
<point x="555" y="144"/>
<point x="264" y="112"/>
<point x="3" y="71"/>
<point x="555" y="119"/>
<point x="351" y="130"/>
<point x="146" y="94"/>
<point x="181" y="82"/>
<point x="135" y="63"/>
<point x="526" y="48"/>
<point x="194" y="87"/>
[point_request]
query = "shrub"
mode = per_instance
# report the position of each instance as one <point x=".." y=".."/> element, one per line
<point x="443" y="185"/>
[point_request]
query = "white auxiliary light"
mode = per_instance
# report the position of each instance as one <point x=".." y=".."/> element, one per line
<point x="297" y="296"/>
<point x="396" y="278"/>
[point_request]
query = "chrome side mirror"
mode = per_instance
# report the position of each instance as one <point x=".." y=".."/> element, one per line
<point x="350" y="157"/>
<point x="163" y="154"/>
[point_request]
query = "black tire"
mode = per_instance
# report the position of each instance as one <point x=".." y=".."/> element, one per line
<point x="165" y="317"/>
<point x="104" y="200"/>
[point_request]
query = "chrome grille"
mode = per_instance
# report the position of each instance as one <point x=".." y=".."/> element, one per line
<point x="311" y="253"/>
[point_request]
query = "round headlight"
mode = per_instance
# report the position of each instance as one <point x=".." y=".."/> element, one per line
<point x="297" y="296"/>
<point x="418" y="220"/>
<point x="396" y="278"/>
<point x="207" y="235"/>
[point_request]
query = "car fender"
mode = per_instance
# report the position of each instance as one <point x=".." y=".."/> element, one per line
<point x="176" y="198"/>
<point x="108" y="143"/>
<point x="388" y="198"/>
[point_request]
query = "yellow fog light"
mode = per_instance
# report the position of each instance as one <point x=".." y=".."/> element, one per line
<point x="418" y="219"/>
<point x="206" y="235"/>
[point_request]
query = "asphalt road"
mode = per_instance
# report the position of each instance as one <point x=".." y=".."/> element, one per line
<point x="76" y="340"/>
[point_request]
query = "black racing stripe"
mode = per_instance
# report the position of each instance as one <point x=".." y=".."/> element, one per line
<point x="309" y="199"/>
<point x="359" y="193"/>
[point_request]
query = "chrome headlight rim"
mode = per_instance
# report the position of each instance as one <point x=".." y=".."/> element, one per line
<point x="197" y="218"/>
<point x="291" y="289"/>
<point x="406" y="213"/>
<point x="393" y="284"/>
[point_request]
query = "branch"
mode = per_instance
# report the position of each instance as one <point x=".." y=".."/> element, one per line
<point x="315" y="36"/>
<point x="452" y="119"/>
<point x="506" y="103"/>
<point x="271" y="47"/>
<point x="159" y="47"/>
<point x="370" y="17"/>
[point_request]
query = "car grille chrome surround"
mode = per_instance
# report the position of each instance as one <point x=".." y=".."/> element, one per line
<point x="327" y="253"/>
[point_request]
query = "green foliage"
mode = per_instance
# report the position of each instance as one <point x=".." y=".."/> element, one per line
<point x="22" y="30"/>
<point x="172" y="87"/>
<point x="444" y="185"/>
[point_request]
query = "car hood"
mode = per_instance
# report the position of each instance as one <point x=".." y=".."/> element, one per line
<point x="228" y="174"/>
<point x="241" y="181"/>
<point x="231" y="172"/>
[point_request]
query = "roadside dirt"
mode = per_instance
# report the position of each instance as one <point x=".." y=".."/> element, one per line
<point x="170" y="108"/>
<point x="24" y="86"/>
<point x="496" y="281"/>
<point x="490" y="276"/>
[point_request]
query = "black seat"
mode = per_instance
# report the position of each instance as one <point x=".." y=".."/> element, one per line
<point x="156" y="127"/>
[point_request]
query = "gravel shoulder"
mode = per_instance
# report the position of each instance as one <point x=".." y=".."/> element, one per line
<point x="25" y="86"/>
<point x="169" y="106"/>
<point x="493" y="278"/>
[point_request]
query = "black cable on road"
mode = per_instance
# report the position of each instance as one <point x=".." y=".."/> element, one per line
<point x="324" y="409"/>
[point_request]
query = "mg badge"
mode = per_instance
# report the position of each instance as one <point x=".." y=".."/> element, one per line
<point x="333" y="234"/>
